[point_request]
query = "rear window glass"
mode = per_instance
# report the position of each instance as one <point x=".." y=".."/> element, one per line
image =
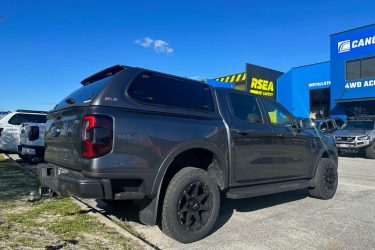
<point x="168" y="91"/>
<point x="84" y="94"/>
<point x="18" y="119"/>
<point x="245" y="107"/>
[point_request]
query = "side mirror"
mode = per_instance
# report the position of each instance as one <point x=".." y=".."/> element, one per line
<point x="295" y="128"/>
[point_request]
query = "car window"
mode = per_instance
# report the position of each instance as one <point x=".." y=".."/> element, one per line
<point x="330" y="125"/>
<point x="339" y="122"/>
<point x="323" y="126"/>
<point x="163" y="90"/>
<point x="366" y="125"/>
<point x="245" y="107"/>
<point x="277" y="114"/>
<point x="18" y="119"/>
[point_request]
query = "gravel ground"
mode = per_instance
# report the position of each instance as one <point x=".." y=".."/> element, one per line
<point x="290" y="220"/>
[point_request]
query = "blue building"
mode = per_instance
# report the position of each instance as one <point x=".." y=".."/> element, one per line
<point x="342" y="87"/>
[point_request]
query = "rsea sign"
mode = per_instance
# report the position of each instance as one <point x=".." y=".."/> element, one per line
<point x="262" y="81"/>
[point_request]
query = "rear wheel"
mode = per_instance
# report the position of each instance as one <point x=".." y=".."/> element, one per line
<point x="191" y="205"/>
<point x="370" y="151"/>
<point x="326" y="180"/>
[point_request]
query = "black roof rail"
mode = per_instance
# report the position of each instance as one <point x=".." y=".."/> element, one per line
<point x="31" y="111"/>
<point x="103" y="74"/>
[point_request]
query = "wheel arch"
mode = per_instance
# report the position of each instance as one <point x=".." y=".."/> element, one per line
<point x="185" y="147"/>
<point x="150" y="211"/>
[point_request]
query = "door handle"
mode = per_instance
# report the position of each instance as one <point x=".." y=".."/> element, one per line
<point x="241" y="132"/>
<point x="280" y="135"/>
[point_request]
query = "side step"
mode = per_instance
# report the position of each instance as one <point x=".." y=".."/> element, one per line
<point x="264" y="189"/>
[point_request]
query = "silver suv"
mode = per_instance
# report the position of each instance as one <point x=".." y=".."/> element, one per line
<point x="357" y="135"/>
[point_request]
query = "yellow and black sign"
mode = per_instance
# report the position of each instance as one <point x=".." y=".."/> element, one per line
<point x="262" y="87"/>
<point x="262" y="81"/>
<point x="236" y="78"/>
<point x="256" y="80"/>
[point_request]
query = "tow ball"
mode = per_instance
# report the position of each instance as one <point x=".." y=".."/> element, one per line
<point x="43" y="191"/>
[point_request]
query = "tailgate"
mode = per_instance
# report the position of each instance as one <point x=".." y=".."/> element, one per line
<point x="63" y="138"/>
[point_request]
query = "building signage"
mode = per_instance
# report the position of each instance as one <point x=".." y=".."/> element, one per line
<point x="353" y="43"/>
<point x="347" y="45"/>
<point x="319" y="84"/>
<point x="360" y="84"/>
<point x="262" y="81"/>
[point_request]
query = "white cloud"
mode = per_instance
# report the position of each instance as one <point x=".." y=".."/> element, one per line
<point x="145" y="42"/>
<point x="159" y="46"/>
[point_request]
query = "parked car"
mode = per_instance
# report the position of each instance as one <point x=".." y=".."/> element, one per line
<point x="31" y="147"/>
<point x="174" y="144"/>
<point x="357" y="135"/>
<point x="10" y="127"/>
<point x="306" y="122"/>
<point x="326" y="125"/>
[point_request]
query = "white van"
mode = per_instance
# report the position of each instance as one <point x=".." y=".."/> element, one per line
<point x="10" y="127"/>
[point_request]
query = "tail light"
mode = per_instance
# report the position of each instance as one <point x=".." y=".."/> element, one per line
<point x="33" y="133"/>
<point x="97" y="135"/>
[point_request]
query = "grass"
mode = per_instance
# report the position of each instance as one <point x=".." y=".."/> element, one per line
<point x="49" y="223"/>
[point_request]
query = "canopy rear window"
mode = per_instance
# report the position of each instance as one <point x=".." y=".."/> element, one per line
<point x="84" y="94"/>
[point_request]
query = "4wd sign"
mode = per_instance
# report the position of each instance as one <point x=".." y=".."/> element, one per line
<point x="262" y="81"/>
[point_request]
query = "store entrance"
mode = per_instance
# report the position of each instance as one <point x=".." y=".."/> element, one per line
<point x="320" y="102"/>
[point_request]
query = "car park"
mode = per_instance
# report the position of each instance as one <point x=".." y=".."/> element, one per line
<point x="121" y="136"/>
<point x="357" y="135"/>
<point x="10" y="127"/>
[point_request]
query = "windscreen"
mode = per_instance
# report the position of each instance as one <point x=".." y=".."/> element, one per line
<point x="366" y="125"/>
<point x="84" y="94"/>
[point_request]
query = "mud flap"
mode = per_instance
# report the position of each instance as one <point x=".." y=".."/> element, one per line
<point x="148" y="211"/>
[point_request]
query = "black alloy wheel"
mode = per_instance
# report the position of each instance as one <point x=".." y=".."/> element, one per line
<point x="195" y="206"/>
<point x="191" y="205"/>
<point x="330" y="178"/>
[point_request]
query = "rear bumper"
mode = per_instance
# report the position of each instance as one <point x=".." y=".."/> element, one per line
<point x="67" y="182"/>
<point x="31" y="150"/>
<point x="71" y="183"/>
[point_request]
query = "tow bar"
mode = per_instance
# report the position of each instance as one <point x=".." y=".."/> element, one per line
<point x="43" y="191"/>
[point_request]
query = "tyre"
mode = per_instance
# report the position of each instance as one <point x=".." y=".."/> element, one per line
<point x="326" y="180"/>
<point x="191" y="205"/>
<point x="370" y="151"/>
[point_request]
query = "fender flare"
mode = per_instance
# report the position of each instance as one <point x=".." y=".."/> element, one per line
<point x="320" y="155"/>
<point x="182" y="147"/>
<point x="148" y="214"/>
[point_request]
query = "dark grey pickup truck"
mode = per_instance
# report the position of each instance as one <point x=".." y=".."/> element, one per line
<point x="174" y="144"/>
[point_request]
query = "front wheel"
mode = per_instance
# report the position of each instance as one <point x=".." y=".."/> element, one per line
<point x="326" y="180"/>
<point x="370" y="151"/>
<point x="191" y="205"/>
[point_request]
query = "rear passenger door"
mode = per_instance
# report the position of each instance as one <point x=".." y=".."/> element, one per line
<point x="253" y="141"/>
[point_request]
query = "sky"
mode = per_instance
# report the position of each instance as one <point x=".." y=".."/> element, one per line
<point x="48" y="47"/>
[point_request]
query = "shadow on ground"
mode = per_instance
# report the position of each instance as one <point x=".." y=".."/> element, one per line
<point x="128" y="210"/>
